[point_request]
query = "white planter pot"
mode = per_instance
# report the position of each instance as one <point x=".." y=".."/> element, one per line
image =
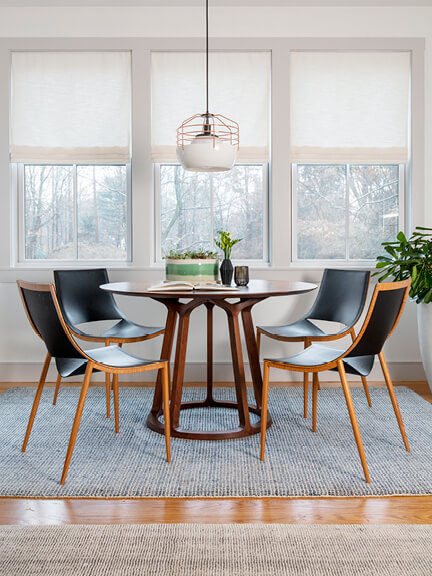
<point x="424" y="322"/>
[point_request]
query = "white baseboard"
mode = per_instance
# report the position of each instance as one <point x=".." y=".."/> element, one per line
<point x="222" y="372"/>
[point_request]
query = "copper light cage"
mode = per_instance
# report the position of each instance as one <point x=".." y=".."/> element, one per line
<point x="214" y="127"/>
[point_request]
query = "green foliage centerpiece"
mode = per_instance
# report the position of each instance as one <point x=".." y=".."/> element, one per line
<point x="226" y="242"/>
<point x="192" y="265"/>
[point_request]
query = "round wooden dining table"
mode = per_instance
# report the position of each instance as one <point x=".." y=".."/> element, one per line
<point x="180" y="304"/>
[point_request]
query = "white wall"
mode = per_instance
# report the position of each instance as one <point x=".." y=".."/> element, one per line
<point x="20" y="351"/>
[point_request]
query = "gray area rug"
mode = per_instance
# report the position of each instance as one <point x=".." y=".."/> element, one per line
<point x="132" y="463"/>
<point x="216" y="550"/>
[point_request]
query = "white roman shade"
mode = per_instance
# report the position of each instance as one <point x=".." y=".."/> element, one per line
<point x="239" y="88"/>
<point x="71" y="107"/>
<point x="349" y="107"/>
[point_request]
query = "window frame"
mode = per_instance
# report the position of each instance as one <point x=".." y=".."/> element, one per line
<point x="357" y="263"/>
<point x="142" y="262"/>
<point x="265" y="166"/>
<point x="67" y="263"/>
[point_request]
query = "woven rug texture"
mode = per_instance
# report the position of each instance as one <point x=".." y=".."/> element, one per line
<point x="132" y="463"/>
<point x="216" y="550"/>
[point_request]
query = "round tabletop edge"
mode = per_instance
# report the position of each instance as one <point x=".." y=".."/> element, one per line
<point x="255" y="289"/>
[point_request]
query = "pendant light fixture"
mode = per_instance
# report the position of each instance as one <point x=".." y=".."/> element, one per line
<point x="207" y="142"/>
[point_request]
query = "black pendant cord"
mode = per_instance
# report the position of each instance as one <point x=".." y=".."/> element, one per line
<point x="207" y="57"/>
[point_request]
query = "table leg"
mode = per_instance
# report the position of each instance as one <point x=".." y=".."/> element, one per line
<point x="179" y="366"/>
<point x="209" y="399"/>
<point x="167" y="345"/>
<point x="253" y="354"/>
<point x="183" y="311"/>
<point x="238" y="366"/>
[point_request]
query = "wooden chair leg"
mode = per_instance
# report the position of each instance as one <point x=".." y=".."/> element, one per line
<point x="307" y="343"/>
<point x="57" y="388"/>
<point x="108" y="389"/>
<point x="314" y="400"/>
<point x="353" y="418"/>
<point x="258" y="342"/>
<point x="77" y="420"/>
<point x="36" y="401"/>
<point x="363" y="378"/>
<point x="264" y="408"/>
<point x="393" y="398"/>
<point x="366" y="390"/>
<point x="116" y="402"/>
<point x="108" y="394"/>
<point x="305" y="394"/>
<point x="169" y="378"/>
<point x="166" y="410"/>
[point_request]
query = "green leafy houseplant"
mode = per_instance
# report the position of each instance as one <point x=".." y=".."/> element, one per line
<point x="226" y="243"/>
<point x="409" y="258"/>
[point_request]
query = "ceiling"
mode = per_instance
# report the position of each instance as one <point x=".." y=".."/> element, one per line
<point x="263" y="3"/>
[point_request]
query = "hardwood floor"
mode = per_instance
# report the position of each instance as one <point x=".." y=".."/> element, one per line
<point x="393" y="510"/>
<point x="390" y="510"/>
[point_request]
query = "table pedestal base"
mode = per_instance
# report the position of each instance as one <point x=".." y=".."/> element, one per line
<point x="154" y="423"/>
<point x="233" y="310"/>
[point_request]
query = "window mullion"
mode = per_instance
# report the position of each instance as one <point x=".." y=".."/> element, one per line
<point x="211" y="212"/>
<point x="347" y="211"/>
<point x="75" y="201"/>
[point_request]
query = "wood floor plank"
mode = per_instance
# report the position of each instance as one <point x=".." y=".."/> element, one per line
<point x="391" y="510"/>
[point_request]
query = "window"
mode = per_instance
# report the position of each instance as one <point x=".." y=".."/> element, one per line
<point x="349" y="144"/>
<point x="344" y="111"/>
<point x="344" y="212"/>
<point x="74" y="212"/>
<point x="193" y="206"/>
<point x="70" y="141"/>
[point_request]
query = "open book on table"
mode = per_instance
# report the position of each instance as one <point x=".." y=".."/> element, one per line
<point x="181" y="285"/>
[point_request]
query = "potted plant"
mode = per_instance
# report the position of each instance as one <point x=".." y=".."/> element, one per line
<point x="225" y="242"/>
<point x="192" y="265"/>
<point x="412" y="258"/>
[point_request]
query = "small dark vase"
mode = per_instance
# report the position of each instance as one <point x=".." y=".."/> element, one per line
<point x="226" y="271"/>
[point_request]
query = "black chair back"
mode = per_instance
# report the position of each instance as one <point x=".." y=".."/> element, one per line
<point x="341" y="296"/>
<point x="385" y="309"/>
<point x="41" y="311"/>
<point x="80" y="297"/>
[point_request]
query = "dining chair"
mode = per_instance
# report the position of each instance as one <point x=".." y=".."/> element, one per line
<point x="341" y="298"/>
<point x="387" y="303"/>
<point x="82" y="301"/>
<point x="44" y="313"/>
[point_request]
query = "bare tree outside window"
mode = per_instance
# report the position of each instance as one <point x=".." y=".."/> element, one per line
<point x="344" y="212"/>
<point x="75" y="212"/>
<point x="102" y="212"/>
<point x="193" y="206"/>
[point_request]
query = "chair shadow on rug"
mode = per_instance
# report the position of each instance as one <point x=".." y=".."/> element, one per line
<point x="385" y="310"/>
<point x="45" y="316"/>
